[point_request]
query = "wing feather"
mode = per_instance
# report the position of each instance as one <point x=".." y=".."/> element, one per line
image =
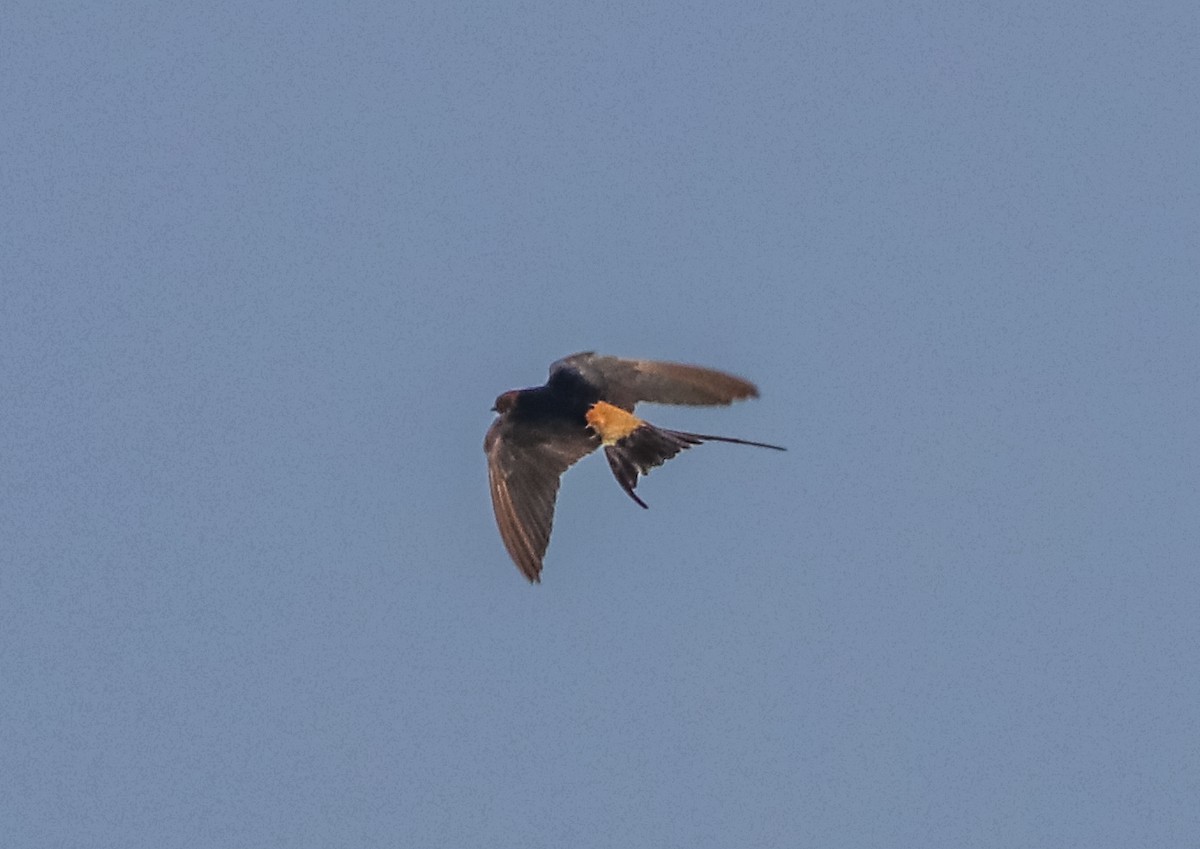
<point x="624" y="383"/>
<point x="524" y="476"/>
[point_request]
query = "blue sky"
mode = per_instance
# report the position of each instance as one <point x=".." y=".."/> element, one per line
<point x="265" y="268"/>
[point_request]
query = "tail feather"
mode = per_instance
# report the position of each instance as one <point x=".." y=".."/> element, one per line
<point x="649" y="447"/>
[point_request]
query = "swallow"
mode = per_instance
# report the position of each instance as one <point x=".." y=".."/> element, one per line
<point x="587" y="403"/>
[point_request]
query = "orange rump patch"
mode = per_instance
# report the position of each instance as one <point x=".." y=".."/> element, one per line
<point x="611" y="423"/>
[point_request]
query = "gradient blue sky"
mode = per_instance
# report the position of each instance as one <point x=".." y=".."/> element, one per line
<point x="265" y="267"/>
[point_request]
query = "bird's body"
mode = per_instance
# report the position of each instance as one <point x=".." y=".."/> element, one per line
<point x="587" y="403"/>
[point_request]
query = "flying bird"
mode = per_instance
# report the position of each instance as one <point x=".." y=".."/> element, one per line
<point x="587" y="403"/>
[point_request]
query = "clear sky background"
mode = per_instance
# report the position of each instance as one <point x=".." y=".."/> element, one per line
<point x="266" y="266"/>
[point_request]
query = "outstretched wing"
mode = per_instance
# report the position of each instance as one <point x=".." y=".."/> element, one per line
<point x="524" y="468"/>
<point x="624" y="383"/>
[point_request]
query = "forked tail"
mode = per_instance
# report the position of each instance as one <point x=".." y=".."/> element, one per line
<point x="649" y="447"/>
